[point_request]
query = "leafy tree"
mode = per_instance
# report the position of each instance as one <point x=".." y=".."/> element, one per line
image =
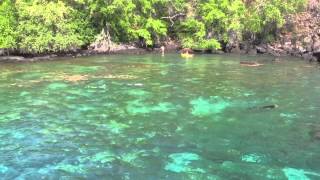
<point x="211" y="23"/>
<point x="266" y="17"/>
<point x="7" y="25"/>
<point x="50" y="27"/>
<point x="130" y="20"/>
<point x="222" y="17"/>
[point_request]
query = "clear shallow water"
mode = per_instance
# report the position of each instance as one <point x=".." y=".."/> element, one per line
<point x="152" y="117"/>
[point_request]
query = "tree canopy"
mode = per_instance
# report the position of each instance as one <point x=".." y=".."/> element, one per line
<point x="44" y="26"/>
<point x="8" y="22"/>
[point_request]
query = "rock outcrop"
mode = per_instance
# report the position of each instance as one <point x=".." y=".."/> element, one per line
<point x="299" y="37"/>
<point x="103" y="44"/>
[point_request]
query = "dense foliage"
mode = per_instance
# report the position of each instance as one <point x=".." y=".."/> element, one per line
<point x="50" y="26"/>
<point x="44" y="26"/>
<point x="8" y="22"/>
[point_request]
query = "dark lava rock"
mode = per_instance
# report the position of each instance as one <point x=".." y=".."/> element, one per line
<point x="309" y="57"/>
<point x="261" y="49"/>
<point x="316" y="55"/>
<point x="252" y="51"/>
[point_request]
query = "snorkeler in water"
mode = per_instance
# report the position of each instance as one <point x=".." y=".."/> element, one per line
<point x="266" y="107"/>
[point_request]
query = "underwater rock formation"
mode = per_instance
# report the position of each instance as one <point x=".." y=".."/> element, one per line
<point x="204" y="107"/>
<point x="181" y="162"/>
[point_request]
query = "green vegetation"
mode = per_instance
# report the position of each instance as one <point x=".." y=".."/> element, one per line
<point x="43" y="26"/>
<point x="8" y="22"/>
<point x="50" y="27"/>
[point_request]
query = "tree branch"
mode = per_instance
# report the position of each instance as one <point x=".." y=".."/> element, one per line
<point x="171" y="18"/>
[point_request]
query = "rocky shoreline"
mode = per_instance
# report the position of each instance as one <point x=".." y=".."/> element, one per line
<point x="116" y="49"/>
<point x="80" y="53"/>
<point x="300" y="37"/>
<point x="263" y="49"/>
<point x="274" y="49"/>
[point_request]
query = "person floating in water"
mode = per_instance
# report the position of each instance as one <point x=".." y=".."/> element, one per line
<point x="272" y="106"/>
<point x="266" y="107"/>
<point x="186" y="53"/>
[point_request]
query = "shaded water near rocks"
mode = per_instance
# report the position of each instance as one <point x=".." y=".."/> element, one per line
<point x="153" y="117"/>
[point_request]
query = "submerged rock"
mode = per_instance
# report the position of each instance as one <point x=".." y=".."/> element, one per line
<point x="116" y="127"/>
<point x="69" y="168"/>
<point x="253" y="158"/>
<point x="103" y="157"/>
<point x="295" y="174"/>
<point x="316" y="135"/>
<point x="181" y="162"/>
<point x="138" y="107"/>
<point x="315" y="132"/>
<point x="205" y="107"/>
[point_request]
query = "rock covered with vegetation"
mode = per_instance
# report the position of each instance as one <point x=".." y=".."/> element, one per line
<point x="44" y="27"/>
<point x="300" y="35"/>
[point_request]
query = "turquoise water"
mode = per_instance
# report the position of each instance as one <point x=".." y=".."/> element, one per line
<point x="153" y="117"/>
